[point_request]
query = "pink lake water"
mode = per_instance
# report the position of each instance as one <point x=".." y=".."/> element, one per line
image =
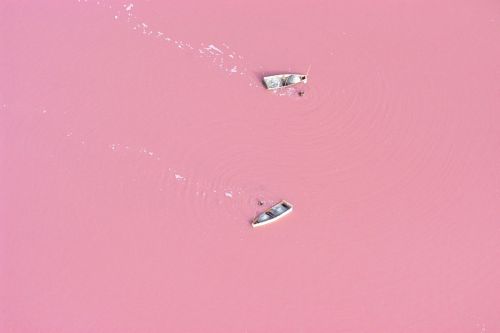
<point x="137" y="139"/>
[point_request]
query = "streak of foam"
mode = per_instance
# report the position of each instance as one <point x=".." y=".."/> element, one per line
<point x="232" y="200"/>
<point x="221" y="56"/>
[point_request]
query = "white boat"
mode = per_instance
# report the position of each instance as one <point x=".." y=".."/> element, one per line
<point x="273" y="214"/>
<point x="283" y="80"/>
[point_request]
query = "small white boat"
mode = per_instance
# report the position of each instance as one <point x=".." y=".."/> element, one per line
<point x="273" y="214"/>
<point x="283" y="80"/>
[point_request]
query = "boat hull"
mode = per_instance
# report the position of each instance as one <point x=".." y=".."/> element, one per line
<point x="283" y="80"/>
<point x="273" y="214"/>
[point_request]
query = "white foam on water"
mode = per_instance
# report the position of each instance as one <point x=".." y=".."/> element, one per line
<point x="212" y="52"/>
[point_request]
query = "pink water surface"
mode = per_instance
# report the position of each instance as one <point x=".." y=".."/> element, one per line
<point x="136" y="140"/>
